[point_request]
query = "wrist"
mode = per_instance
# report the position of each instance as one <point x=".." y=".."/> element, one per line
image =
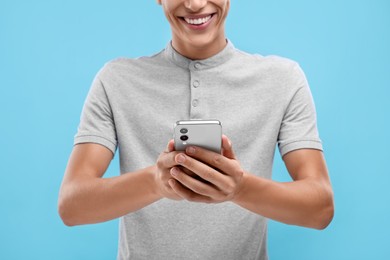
<point x="153" y="184"/>
<point x="241" y="189"/>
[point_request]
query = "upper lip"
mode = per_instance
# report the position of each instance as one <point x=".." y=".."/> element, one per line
<point x="196" y="16"/>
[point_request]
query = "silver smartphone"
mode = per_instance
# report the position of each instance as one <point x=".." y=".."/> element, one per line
<point x="203" y="133"/>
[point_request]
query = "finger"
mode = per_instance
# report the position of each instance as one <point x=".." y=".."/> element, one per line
<point x="227" y="149"/>
<point x="193" y="184"/>
<point x="187" y="194"/>
<point x="191" y="174"/>
<point x="203" y="170"/>
<point x="188" y="172"/>
<point x="167" y="160"/>
<point x="211" y="158"/>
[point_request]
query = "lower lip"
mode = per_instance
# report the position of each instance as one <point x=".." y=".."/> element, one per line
<point x="199" y="27"/>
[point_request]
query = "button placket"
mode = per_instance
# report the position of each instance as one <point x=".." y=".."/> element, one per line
<point x="195" y="83"/>
<point x="197" y="65"/>
<point x="195" y="102"/>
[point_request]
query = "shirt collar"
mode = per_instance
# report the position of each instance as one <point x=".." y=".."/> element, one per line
<point x="187" y="63"/>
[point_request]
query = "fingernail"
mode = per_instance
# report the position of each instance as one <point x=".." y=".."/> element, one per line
<point x="174" y="172"/>
<point x="181" y="158"/>
<point x="190" y="150"/>
<point x="171" y="182"/>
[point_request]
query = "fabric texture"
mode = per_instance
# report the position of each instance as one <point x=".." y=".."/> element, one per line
<point x="262" y="102"/>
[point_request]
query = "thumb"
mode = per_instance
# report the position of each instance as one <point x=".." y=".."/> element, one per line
<point x="227" y="149"/>
<point x="170" y="146"/>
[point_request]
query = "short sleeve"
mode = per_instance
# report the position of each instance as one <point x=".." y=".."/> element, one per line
<point x="299" y="125"/>
<point x="97" y="122"/>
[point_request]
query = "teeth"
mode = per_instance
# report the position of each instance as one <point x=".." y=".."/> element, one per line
<point x="198" y="21"/>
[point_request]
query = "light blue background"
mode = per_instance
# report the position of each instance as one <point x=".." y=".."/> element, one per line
<point x="51" y="50"/>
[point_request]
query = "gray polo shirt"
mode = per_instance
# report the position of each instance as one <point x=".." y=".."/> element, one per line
<point x="261" y="102"/>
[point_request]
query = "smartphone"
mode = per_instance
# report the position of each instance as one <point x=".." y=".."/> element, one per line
<point x="203" y="133"/>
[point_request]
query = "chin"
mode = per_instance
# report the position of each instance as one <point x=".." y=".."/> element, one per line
<point x="202" y="41"/>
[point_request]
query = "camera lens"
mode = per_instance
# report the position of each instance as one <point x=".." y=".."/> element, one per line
<point x="183" y="130"/>
<point x="184" y="138"/>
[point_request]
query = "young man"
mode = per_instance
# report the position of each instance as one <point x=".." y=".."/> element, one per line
<point x="165" y="212"/>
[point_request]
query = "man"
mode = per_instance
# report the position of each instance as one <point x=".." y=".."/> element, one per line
<point x="165" y="212"/>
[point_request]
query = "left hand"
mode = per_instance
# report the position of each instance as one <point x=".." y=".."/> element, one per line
<point x="222" y="173"/>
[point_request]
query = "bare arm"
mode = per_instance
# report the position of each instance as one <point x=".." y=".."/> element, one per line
<point x="306" y="201"/>
<point x="85" y="197"/>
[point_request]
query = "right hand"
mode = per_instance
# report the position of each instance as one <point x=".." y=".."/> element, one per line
<point x="164" y="164"/>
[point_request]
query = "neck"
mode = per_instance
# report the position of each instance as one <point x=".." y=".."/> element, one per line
<point x="199" y="51"/>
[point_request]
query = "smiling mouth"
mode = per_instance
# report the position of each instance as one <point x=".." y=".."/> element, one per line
<point x="197" y="21"/>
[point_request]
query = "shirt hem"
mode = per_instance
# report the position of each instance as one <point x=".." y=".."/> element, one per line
<point x="302" y="144"/>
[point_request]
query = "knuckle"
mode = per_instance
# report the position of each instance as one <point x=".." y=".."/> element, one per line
<point x="217" y="159"/>
<point x="188" y="162"/>
<point x="201" y="190"/>
<point x="239" y="172"/>
<point x="207" y="175"/>
<point x="160" y="163"/>
<point x="228" y="188"/>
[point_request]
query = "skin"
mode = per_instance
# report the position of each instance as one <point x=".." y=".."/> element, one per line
<point x="85" y="197"/>
<point x="196" y="44"/>
<point x="306" y="201"/>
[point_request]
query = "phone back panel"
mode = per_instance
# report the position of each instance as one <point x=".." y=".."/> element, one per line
<point x="203" y="133"/>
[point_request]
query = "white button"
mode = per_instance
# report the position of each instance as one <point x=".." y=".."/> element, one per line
<point x="197" y="65"/>
<point x="195" y="103"/>
<point x="196" y="83"/>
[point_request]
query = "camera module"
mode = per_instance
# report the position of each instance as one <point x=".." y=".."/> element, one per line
<point x="183" y="137"/>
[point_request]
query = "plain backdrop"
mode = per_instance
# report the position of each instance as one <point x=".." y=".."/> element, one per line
<point x="51" y="50"/>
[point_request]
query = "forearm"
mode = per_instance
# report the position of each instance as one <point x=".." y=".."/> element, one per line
<point x="94" y="199"/>
<point x="303" y="202"/>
